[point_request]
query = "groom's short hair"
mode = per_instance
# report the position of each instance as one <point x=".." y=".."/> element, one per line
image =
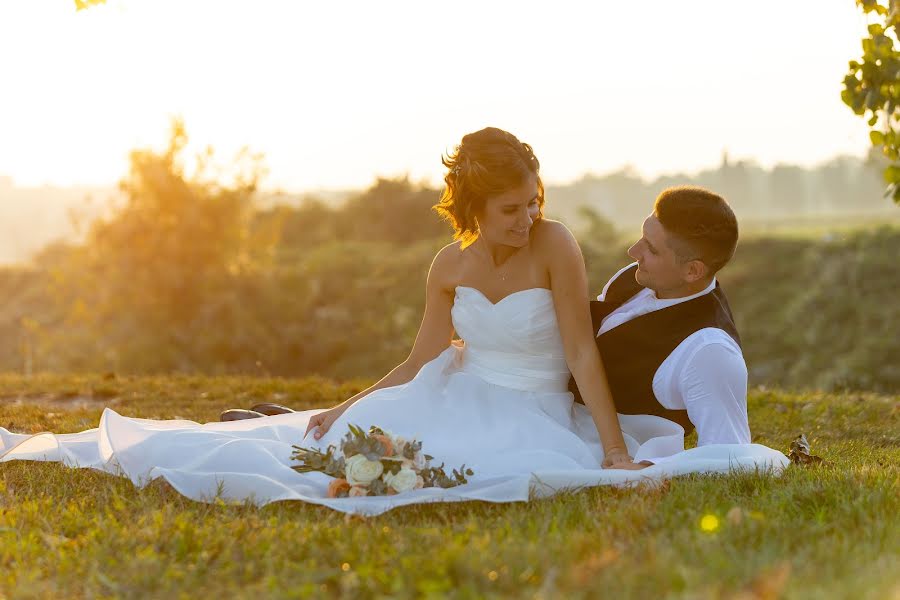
<point x="700" y="224"/>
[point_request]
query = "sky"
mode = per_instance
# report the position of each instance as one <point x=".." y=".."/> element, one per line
<point x="335" y="94"/>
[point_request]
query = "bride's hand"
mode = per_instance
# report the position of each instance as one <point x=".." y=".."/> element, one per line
<point x="324" y="420"/>
<point x="620" y="459"/>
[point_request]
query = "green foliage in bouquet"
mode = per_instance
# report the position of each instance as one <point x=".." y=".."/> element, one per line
<point x="393" y="454"/>
<point x="436" y="477"/>
<point x="356" y="441"/>
<point x="315" y="460"/>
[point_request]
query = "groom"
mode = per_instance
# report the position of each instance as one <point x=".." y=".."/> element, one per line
<point x="664" y="327"/>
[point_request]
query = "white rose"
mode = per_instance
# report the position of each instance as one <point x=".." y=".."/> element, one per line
<point x="403" y="480"/>
<point x="419" y="460"/>
<point x="362" y="471"/>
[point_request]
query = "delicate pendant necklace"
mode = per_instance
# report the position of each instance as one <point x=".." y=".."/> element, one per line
<point x="498" y="271"/>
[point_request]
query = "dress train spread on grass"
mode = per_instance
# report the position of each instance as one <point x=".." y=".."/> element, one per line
<point x="497" y="403"/>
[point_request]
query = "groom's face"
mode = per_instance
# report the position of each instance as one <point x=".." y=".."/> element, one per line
<point x="658" y="266"/>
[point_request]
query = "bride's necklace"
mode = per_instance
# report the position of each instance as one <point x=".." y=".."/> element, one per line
<point x="499" y="271"/>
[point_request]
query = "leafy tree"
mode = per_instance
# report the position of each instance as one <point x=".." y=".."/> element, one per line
<point x="872" y="85"/>
<point x="142" y="288"/>
<point x="175" y="235"/>
<point x="392" y="210"/>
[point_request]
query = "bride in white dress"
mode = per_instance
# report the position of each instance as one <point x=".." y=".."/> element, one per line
<point x="514" y="288"/>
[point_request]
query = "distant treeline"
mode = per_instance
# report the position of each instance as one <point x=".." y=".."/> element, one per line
<point x="32" y="217"/>
<point x="190" y="275"/>
<point x="843" y="185"/>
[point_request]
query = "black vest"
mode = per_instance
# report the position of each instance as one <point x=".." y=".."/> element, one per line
<point x="633" y="351"/>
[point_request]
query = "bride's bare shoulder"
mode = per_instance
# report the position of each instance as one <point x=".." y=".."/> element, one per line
<point x="549" y="234"/>
<point x="446" y="264"/>
<point x="556" y="248"/>
<point x="450" y="255"/>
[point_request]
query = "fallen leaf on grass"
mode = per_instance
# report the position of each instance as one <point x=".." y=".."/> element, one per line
<point x="799" y="453"/>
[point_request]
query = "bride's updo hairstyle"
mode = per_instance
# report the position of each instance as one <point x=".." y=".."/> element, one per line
<point x="487" y="163"/>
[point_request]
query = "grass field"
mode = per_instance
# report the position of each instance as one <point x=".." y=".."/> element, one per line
<point x="829" y="531"/>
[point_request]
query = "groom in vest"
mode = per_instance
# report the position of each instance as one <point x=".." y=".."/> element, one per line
<point x="664" y="327"/>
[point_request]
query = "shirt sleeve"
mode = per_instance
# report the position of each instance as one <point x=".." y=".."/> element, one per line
<point x="714" y="389"/>
<point x="602" y="295"/>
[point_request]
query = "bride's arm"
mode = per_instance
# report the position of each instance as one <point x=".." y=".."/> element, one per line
<point x="568" y="283"/>
<point x="434" y="336"/>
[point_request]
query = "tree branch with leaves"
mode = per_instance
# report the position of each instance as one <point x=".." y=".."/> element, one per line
<point x="872" y="85"/>
<point x="84" y="4"/>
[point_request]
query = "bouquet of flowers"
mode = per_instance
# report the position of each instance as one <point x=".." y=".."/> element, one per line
<point x="376" y="464"/>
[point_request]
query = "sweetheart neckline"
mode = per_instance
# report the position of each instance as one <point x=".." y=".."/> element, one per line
<point x="500" y="301"/>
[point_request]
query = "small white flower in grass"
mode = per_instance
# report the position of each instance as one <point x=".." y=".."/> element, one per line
<point x="362" y="471"/>
<point x="403" y="480"/>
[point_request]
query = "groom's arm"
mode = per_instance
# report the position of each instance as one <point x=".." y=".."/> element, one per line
<point x="714" y="390"/>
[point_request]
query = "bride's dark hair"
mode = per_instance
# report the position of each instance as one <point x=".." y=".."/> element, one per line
<point x="487" y="162"/>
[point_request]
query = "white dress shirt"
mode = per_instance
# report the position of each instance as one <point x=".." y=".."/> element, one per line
<point x="705" y="374"/>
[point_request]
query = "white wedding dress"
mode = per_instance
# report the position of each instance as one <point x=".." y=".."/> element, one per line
<point x="498" y="403"/>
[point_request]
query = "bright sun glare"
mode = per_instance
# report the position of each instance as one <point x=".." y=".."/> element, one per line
<point x="335" y="94"/>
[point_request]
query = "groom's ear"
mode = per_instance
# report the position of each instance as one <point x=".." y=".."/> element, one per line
<point x="694" y="270"/>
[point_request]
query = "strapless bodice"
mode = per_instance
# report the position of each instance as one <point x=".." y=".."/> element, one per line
<point x="515" y="342"/>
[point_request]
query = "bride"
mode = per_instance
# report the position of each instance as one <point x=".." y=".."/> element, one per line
<point x="513" y="287"/>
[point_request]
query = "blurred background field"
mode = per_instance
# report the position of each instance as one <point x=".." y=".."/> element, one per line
<point x="195" y="274"/>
